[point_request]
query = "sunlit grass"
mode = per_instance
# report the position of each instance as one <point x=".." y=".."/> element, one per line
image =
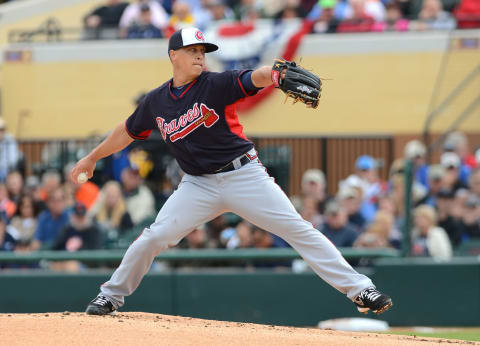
<point x="469" y="334"/>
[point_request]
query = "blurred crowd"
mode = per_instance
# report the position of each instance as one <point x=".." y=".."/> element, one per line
<point x="160" y="18"/>
<point x="49" y="212"/>
<point x="367" y="212"/>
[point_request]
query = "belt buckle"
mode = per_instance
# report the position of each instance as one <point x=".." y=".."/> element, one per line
<point x="237" y="162"/>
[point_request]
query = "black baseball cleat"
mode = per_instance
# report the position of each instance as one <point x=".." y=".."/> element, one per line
<point x="371" y="299"/>
<point x="100" y="306"/>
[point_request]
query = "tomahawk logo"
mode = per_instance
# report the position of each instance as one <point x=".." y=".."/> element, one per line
<point x="304" y="89"/>
<point x="188" y="122"/>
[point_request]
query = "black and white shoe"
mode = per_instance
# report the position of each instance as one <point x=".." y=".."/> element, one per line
<point x="371" y="299"/>
<point x="100" y="306"/>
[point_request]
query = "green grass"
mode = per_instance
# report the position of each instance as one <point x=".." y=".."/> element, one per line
<point x="469" y="334"/>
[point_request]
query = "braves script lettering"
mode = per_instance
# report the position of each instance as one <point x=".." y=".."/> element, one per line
<point x="188" y="122"/>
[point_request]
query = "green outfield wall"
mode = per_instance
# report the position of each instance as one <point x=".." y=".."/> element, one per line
<point x="424" y="293"/>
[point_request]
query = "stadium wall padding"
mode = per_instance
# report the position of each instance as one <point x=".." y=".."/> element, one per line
<point x="429" y="294"/>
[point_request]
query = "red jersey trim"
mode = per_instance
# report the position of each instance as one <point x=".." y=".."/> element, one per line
<point x="183" y="93"/>
<point x="242" y="87"/>
<point x="234" y="125"/>
<point x="170" y="91"/>
<point x="142" y="135"/>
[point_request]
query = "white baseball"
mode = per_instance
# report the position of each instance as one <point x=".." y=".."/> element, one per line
<point x="82" y="178"/>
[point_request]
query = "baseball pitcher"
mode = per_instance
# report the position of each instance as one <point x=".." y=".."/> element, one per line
<point x="195" y="114"/>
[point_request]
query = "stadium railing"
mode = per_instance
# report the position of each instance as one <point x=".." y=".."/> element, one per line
<point x="180" y="255"/>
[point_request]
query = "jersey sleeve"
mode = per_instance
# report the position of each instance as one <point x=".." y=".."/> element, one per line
<point x="140" y="124"/>
<point x="229" y="84"/>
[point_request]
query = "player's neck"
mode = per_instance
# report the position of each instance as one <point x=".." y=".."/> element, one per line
<point x="181" y="80"/>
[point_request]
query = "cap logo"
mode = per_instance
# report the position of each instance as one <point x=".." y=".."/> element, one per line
<point x="199" y="36"/>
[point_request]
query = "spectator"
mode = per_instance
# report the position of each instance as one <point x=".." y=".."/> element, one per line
<point x="263" y="240"/>
<point x="361" y="15"/>
<point x="242" y="237"/>
<point x="33" y="190"/>
<point x="202" y="12"/>
<point x="451" y="163"/>
<point x="419" y="190"/>
<point x="350" y="200"/>
<point x="459" y="200"/>
<point x="139" y="198"/>
<point x="398" y="195"/>
<point x="106" y="16"/>
<point x="214" y="230"/>
<point x="248" y="10"/>
<point x="427" y="238"/>
<point x="14" y="186"/>
<point x="25" y="220"/>
<point x="132" y="14"/>
<point x="474" y="182"/>
<point x="111" y="209"/>
<point x="393" y="19"/>
<point x="9" y="154"/>
<point x="181" y="16"/>
<point x="446" y="220"/>
<point x="470" y="222"/>
<point x="7" y="206"/>
<point x="372" y="8"/>
<point x="416" y="151"/>
<point x="336" y="228"/>
<point x="80" y="233"/>
<point x="143" y="28"/>
<point x="51" y="181"/>
<point x="432" y="17"/>
<point x="310" y="213"/>
<point x="313" y="186"/>
<point x="457" y="142"/>
<point x="467" y="14"/>
<point x="397" y="167"/>
<point x="51" y="221"/>
<point x="217" y="11"/>
<point x="69" y="193"/>
<point x="291" y="10"/>
<point x="366" y="178"/>
<point x="326" y="21"/>
<point x="197" y="239"/>
<point x="436" y="175"/>
<point x="378" y="232"/>
<point x="7" y="240"/>
<point x="341" y="9"/>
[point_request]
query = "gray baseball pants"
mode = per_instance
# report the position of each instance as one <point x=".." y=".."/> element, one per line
<point x="250" y="193"/>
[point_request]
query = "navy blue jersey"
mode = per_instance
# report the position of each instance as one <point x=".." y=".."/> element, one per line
<point x="200" y="126"/>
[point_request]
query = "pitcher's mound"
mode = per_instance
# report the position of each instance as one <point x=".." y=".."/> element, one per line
<point x="135" y="328"/>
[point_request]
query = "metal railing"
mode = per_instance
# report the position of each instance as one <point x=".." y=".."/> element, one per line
<point x="178" y="255"/>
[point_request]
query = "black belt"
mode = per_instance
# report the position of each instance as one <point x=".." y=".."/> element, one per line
<point x="230" y="167"/>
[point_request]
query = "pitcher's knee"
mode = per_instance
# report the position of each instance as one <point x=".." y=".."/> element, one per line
<point x="295" y="226"/>
<point x="162" y="238"/>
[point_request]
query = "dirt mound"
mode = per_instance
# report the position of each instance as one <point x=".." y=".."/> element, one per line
<point x="135" y="328"/>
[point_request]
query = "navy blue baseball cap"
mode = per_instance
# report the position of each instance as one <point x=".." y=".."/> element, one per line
<point x="188" y="37"/>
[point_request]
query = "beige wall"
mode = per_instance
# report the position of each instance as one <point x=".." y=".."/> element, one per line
<point x="76" y="100"/>
<point x="375" y="93"/>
